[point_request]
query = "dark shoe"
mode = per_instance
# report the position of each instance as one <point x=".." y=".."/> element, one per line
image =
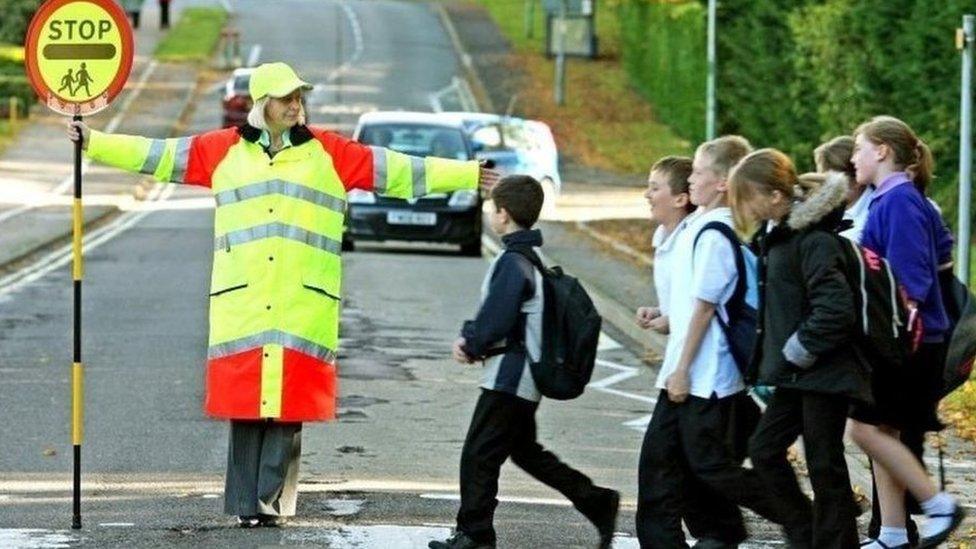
<point x="460" y="540"/>
<point x="711" y="543"/>
<point x="248" y="522"/>
<point x="937" y="539"/>
<point x="272" y="521"/>
<point x="602" y="512"/>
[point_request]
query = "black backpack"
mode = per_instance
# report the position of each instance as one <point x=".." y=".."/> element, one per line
<point x="960" y="306"/>
<point x="570" y="331"/>
<point x="741" y="308"/>
<point x="887" y="335"/>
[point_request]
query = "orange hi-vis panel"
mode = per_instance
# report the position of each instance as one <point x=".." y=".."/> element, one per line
<point x="275" y="290"/>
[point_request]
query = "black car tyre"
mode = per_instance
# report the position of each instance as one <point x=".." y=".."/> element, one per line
<point x="472" y="248"/>
<point x="348" y="245"/>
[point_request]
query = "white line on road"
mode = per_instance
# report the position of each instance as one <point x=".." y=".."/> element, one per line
<point x="252" y="58"/>
<point x="68" y="181"/>
<point x="358" y="44"/>
<point x="62" y="256"/>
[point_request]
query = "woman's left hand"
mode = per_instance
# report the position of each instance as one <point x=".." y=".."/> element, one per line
<point x="487" y="178"/>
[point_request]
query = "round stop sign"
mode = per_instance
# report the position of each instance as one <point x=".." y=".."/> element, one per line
<point x="78" y="54"/>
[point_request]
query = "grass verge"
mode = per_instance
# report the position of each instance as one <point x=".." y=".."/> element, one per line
<point x="604" y="122"/>
<point x="194" y="36"/>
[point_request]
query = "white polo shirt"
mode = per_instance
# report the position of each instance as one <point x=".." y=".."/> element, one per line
<point x="858" y="214"/>
<point x="664" y="243"/>
<point x="706" y="272"/>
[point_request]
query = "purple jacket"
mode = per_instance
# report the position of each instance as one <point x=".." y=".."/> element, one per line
<point x="907" y="230"/>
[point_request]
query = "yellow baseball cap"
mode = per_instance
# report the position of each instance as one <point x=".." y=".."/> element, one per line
<point x="275" y="80"/>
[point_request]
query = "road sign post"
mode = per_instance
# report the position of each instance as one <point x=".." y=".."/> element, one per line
<point x="78" y="56"/>
<point x="966" y="39"/>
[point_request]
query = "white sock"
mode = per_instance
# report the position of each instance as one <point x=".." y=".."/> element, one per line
<point x="892" y="536"/>
<point x="939" y="504"/>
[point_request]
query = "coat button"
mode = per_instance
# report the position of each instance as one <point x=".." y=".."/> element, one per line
<point x="268" y="307"/>
<point x="266" y="355"/>
<point x="271" y="258"/>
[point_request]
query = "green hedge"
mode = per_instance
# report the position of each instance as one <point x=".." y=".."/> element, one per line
<point x="663" y="51"/>
<point x="792" y="73"/>
<point x="13" y="79"/>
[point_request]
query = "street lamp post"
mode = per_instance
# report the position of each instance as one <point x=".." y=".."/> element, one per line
<point x="710" y="78"/>
<point x="965" y="41"/>
<point x="561" y="54"/>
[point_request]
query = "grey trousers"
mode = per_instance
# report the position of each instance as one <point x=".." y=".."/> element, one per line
<point x="262" y="468"/>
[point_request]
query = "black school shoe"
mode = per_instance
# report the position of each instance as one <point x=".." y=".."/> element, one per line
<point x="602" y="512"/>
<point x="272" y="521"/>
<point x="460" y="540"/>
<point x="958" y="514"/>
<point x="248" y="522"/>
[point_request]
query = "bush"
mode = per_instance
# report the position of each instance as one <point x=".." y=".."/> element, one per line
<point x="16" y="18"/>
<point x="13" y="79"/>
<point x="663" y="49"/>
<point x="792" y="73"/>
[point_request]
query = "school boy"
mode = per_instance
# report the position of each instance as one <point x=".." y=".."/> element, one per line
<point x="503" y="425"/>
<point x="686" y="443"/>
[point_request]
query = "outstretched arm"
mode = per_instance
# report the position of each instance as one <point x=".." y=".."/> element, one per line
<point x="189" y="160"/>
<point x="387" y="172"/>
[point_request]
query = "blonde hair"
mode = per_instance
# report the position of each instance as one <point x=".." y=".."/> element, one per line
<point x="760" y="173"/>
<point x="725" y="152"/>
<point x="835" y="156"/>
<point x="256" y="116"/>
<point x="911" y="153"/>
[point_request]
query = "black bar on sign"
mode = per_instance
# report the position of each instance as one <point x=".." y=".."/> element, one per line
<point x="82" y="52"/>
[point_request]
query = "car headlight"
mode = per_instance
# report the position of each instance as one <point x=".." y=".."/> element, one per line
<point x="463" y="199"/>
<point x="359" y="196"/>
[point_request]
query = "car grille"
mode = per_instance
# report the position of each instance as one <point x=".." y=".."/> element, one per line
<point x="434" y="200"/>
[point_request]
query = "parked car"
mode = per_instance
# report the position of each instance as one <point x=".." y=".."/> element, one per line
<point x="237" y="99"/>
<point x="515" y="145"/>
<point x="453" y="218"/>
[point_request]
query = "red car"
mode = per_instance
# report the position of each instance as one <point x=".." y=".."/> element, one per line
<point x="237" y="99"/>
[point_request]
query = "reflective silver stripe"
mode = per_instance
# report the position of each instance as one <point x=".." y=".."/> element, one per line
<point x="419" y="172"/>
<point x="156" y="150"/>
<point x="379" y="170"/>
<point x="282" y="230"/>
<point x="272" y="337"/>
<point x="179" y="162"/>
<point x="285" y="188"/>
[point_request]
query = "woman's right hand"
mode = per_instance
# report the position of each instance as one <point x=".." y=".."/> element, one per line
<point x="79" y="130"/>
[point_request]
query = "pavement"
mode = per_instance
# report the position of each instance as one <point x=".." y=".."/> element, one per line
<point x="384" y="475"/>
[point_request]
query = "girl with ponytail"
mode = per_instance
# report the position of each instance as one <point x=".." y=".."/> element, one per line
<point x="907" y="230"/>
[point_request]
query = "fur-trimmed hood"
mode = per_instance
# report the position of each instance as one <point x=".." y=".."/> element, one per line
<point x="829" y="198"/>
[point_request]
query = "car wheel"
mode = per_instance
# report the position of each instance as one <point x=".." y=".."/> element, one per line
<point x="472" y="248"/>
<point x="348" y="245"/>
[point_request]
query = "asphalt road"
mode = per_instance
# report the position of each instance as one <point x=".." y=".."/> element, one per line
<point x="385" y="474"/>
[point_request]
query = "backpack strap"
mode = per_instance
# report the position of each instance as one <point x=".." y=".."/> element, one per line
<point x="741" y="285"/>
<point x="528" y="253"/>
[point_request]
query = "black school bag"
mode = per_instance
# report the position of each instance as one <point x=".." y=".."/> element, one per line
<point x="742" y="307"/>
<point x="570" y="331"/>
<point x="886" y="333"/>
<point x="960" y="306"/>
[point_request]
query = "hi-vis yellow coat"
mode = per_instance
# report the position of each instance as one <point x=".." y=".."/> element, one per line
<point x="275" y="289"/>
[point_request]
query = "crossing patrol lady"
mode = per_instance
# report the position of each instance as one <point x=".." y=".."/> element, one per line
<point x="280" y="189"/>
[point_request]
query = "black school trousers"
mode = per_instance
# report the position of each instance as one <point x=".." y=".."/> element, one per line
<point x="688" y="469"/>
<point x="829" y="522"/>
<point x="503" y="426"/>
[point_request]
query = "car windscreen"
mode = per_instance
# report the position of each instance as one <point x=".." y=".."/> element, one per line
<point x="503" y="137"/>
<point x="417" y="140"/>
<point x="240" y="84"/>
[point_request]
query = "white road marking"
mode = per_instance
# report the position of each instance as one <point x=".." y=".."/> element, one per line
<point x="69" y="181"/>
<point x="252" y="58"/>
<point x="117" y="524"/>
<point x="63" y="256"/>
<point x="34" y="538"/>
<point x="358" y="43"/>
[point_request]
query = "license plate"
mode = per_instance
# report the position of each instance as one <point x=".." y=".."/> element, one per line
<point x="397" y="217"/>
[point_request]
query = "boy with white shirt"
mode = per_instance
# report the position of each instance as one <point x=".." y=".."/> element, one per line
<point x="686" y="444"/>
<point x="671" y="208"/>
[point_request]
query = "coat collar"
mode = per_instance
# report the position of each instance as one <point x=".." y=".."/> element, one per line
<point x="298" y="134"/>
<point x="824" y="208"/>
<point x="524" y="237"/>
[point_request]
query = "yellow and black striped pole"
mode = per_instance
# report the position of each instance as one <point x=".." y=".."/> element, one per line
<point x="77" y="372"/>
